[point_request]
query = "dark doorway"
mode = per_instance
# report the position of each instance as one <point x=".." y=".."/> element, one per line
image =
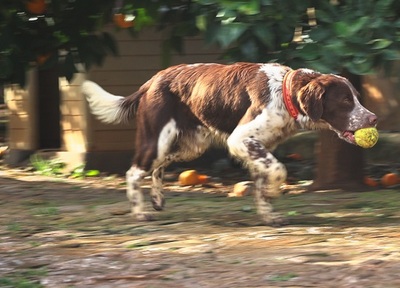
<point x="49" y="109"/>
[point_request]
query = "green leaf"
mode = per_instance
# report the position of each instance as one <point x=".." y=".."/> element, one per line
<point x="320" y="34"/>
<point x="92" y="173"/>
<point x="250" y="51"/>
<point x="380" y="43"/>
<point x="251" y="7"/>
<point x="347" y="29"/>
<point x="391" y="55"/>
<point x="80" y="169"/>
<point x="360" y="65"/>
<point x="211" y="33"/>
<point x="320" y="66"/>
<point x="266" y="2"/>
<point x="201" y="22"/>
<point x="309" y="52"/>
<point x="207" y="2"/>
<point x="324" y="16"/>
<point x="226" y="14"/>
<point x="265" y="34"/>
<point x="229" y="33"/>
<point x="359" y="24"/>
<point x="382" y="7"/>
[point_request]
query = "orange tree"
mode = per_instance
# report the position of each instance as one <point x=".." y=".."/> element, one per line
<point x="62" y="33"/>
<point x="330" y="36"/>
<point x="46" y="33"/>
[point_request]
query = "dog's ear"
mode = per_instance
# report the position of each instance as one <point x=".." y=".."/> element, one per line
<point x="310" y="99"/>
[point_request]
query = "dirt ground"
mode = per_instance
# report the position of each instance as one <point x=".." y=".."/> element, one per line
<point x="57" y="232"/>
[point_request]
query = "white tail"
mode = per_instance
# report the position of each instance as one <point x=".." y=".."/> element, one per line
<point x="105" y="106"/>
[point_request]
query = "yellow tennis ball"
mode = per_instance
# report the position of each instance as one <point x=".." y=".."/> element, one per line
<point x="366" y="137"/>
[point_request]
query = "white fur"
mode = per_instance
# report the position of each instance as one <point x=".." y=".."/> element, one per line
<point x="105" y="106"/>
<point x="167" y="136"/>
<point x="275" y="76"/>
<point x="133" y="179"/>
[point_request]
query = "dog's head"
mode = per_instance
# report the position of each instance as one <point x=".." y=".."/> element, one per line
<point x="334" y="100"/>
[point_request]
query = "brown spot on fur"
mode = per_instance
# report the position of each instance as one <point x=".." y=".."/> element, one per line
<point x="255" y="149"/>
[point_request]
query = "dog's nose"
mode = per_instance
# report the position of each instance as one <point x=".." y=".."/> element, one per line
<point x="373" y="119"/>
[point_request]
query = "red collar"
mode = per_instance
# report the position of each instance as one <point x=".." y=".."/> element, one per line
<point x="287" y="93"/>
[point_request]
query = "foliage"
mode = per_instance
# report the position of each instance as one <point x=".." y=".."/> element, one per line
<point x="65" y="33"/>
<point x="329" y="36"/>
<point x="52" y="167"/>
<point x="356" y="35"/>
<point x="56" y="167"/>
<point x="80" y="172"/>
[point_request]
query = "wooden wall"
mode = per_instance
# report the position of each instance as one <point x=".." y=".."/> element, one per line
<point x="74" y="114"/>
<point x="22" y="127"/>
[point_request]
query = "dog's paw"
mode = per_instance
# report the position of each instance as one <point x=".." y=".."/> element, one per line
<point x="144" y="216"/>
<point x="275" y="220"/>
<point x="158" y="203"/>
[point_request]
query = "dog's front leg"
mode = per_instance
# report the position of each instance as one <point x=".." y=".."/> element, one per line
<point x="264" y="192"/>
<point x="268" y="175"/>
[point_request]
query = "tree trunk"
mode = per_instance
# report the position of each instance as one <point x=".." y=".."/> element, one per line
<point x="339" y="164"/>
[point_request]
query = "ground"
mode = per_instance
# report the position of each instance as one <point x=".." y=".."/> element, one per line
<point x="59" y="232"/>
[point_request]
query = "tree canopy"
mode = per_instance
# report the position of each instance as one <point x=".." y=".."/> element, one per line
<point x="329" y="36"/>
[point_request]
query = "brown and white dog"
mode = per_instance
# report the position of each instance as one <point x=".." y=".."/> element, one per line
<point x="249" y="107"/>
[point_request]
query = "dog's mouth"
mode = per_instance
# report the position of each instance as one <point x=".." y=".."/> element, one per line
<point x="348" y="136"/>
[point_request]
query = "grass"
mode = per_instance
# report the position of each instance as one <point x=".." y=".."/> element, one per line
<point x="52" y="167"/>
<point x="282" y="277"/>
<point x="55" y="167"/>
<point x="14" y="227"/>
<point x="29" y="278"/>
<point x="46" y="211"/>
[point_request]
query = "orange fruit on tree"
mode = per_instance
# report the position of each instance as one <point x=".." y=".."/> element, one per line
<point x="120" y="21"/>
<point x="41" y="59"/>
<point x="390" y="179"/>
<point x="36" y="6"/>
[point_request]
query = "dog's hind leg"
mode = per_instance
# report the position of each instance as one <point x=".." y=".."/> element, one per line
<point x="152" y="156"/>
<point x="134" y="177"/>
<point x="166" y="139"/>
<point x="188" y="147"/>
<point x="157" y="195"/>
<point x="151" y="150"/>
